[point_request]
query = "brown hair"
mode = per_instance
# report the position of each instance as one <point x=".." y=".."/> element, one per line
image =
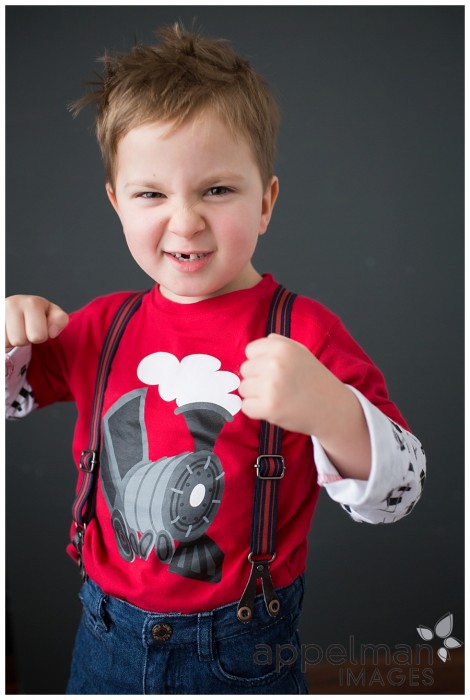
<point x="183" y="76"/>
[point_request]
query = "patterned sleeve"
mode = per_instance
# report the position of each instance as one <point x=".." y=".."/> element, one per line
<point x="19" y="397"/>
<point x="397" y="474"/>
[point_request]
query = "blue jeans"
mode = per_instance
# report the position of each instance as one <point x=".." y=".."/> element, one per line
<point x="123" y="650"/>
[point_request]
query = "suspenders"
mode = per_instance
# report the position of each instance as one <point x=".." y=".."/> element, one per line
<point x="269" y="464"/>
<point x="84" y="502"/>
<point x="269" y="470"/>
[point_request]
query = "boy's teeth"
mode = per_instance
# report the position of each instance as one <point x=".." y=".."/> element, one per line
<point x="190" y="256"/>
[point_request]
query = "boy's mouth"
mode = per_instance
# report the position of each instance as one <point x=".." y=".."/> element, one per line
<point x="189" y="257"/>
<point x="189" y="262"/>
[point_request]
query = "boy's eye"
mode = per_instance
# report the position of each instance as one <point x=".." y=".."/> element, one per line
<point x="217" y="191"/>
<point x="150" y="195"/>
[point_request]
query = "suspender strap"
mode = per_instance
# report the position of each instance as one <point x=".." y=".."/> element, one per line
<point x="83" y="505"/>
<point x="270" y="463"/>
<point x="270" y="470"/>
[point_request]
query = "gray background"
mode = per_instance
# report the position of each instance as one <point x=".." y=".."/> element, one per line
<point x="369" y="221"/>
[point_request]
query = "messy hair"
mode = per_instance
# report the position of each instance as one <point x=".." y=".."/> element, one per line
<point x="182" y="77"/>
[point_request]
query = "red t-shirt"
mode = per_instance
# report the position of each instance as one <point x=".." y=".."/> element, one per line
<point x="174" y="500"/>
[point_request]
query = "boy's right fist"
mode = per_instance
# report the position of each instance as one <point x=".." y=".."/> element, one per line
<point x="31" y="319"/>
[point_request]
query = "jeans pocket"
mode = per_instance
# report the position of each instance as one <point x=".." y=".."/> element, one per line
<point x="262" y="656"/>
<point x="94" y="614"/>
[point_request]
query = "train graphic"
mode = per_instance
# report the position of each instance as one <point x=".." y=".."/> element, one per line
<point x="166" y="506"/>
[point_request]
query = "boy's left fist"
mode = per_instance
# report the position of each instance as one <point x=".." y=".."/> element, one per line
<point x="284" y="384"/>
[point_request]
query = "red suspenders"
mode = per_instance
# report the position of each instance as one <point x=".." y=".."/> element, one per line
<point x="269" y="470"/>
<point x="83" y="505"/>
<point x="269" y="465"/>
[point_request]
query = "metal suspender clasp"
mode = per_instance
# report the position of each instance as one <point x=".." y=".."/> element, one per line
<point x="275" y="469"/>
<point x="259" y="569"/>
<point x="78" y="542"/>
<point x="89" y="459"/>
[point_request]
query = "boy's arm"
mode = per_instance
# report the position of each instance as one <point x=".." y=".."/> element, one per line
<point x="285" y="384"/>
<point x="398" y="472"/>
<point x="374" y="468"/>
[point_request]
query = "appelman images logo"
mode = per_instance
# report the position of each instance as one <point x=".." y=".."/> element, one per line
<point x="442" y="629"/>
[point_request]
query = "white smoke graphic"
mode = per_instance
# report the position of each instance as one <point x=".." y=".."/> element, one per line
<point x="197" y="378"/>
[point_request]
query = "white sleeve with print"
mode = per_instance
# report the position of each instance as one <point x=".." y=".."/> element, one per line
<point x="19" y="398"/>
<point x="397" y="475"/>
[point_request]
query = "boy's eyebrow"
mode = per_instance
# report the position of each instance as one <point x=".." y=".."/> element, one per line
<point x="143" y="184"/>
<point x="223" y="176"/>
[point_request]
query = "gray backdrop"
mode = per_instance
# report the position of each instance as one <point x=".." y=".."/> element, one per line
<point x="369" y="221"/>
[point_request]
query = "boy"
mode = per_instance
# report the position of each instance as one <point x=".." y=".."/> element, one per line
<point x="187" y="132"/>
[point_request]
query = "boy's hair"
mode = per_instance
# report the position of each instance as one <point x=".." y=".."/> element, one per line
<point x="182" y="77"/>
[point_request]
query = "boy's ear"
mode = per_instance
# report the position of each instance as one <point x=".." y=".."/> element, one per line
<point x="269" y="199"/>
<point x="112" y="197"/>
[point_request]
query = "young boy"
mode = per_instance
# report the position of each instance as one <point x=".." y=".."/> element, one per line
<point x="187" y="132"/>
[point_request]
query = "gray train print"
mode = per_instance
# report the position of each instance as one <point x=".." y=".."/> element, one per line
<point x="154" y="505"/>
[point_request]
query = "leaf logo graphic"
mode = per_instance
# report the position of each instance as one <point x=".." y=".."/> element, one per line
<point x="442" y="629"/>
<point x="425" y="632"/>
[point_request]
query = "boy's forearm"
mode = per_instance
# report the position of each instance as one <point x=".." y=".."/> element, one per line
<point x="344" y="435"/>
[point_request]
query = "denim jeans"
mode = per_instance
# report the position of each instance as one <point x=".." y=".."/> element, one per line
<point x="123" y="650"/>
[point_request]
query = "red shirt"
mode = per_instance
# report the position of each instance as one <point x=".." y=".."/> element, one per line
<point x="189" y="515"/>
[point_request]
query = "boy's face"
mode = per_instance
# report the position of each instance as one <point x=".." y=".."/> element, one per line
<point x="192" y="205"/>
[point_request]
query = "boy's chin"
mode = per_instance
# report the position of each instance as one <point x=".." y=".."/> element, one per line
<point x="186" y="296"/>
<point x="190" y="291"/>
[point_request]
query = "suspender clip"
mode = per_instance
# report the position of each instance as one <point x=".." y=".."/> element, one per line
<point x="78" y="543"/>
<point x="259" y="569"/>
<point x="89" y="459"/>
<point x="274" y="469"/>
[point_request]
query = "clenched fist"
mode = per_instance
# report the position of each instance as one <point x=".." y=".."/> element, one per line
<point x="31" y="319"/>
<point x="285" y="384"/>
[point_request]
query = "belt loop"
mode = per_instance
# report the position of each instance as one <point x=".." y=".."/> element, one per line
<point x="204" y="636"/>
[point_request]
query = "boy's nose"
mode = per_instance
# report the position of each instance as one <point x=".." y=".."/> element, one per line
<point x="185" y="221"/>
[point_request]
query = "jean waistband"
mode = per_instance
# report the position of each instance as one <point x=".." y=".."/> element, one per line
<point x="176" y="629"/>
